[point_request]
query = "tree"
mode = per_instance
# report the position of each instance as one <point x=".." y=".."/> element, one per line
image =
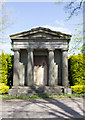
<point x="74" y="8"/>
<point x="4" y="19"/>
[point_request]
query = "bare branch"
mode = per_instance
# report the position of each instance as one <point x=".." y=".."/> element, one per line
<point x="75" y="9"/>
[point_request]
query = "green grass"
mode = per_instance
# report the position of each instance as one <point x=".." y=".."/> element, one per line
<point x="5" y="96"/>
<point x="42" y="96"/>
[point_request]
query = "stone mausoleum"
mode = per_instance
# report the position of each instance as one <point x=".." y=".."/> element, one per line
<point x="40" y="62"/>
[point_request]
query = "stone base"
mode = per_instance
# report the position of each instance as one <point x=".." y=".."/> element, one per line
<point x="35" y="90"/>
<point x="39" y="90"/>
<point x="68" y="91"/>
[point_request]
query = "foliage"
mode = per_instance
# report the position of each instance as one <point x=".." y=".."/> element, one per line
<point x="3" y="88"/>
<point x="3" y="70"/>
<point x="4" y="20"/>
<point x="77" y="40"/>
<point x="83" y="48"/>
<point x="73" y="9"/>
<point x="78" y="88"/>
<point x="10" y="70"/>
<point x="6" y="68"/>
<point x="76" y="70"/>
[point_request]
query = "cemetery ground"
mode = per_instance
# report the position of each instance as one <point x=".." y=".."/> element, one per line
<point x="53" y="106"/>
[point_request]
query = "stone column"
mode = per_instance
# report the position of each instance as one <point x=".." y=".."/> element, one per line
<point x="16" y="75"/>
<point x="65" y="67"/>
<point x="51" y="68"/>
<point x="30" y="68"/>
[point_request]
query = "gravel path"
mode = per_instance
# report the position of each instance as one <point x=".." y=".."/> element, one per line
<point x="42" y="108"/>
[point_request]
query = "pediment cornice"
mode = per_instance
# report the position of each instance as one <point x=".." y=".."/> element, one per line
<point x="40" y="33"/>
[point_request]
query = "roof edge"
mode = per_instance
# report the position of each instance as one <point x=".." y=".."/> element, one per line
<point x="40" y="28"/>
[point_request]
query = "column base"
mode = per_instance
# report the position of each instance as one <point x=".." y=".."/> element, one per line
<point x="36" y="90"/>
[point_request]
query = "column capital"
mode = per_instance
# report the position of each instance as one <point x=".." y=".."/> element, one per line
<point x="14" y="49"/>
<point x="64" y="49"/>
<point x="51" y="49"/>
<point x="30" y="49"/>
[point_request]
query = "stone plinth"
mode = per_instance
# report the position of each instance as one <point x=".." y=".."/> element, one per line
<point x="68" y="91"/>
<point x="36" y="90"/>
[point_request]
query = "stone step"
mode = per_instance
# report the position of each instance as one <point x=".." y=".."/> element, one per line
<point x="17" y="91"/>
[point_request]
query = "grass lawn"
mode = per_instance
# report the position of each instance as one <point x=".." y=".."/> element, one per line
<point x="5" y="96"/>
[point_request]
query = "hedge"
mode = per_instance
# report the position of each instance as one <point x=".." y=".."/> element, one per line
<point x="6" y="66"/>
<point x="3" y="88"/>
<point x="76" y="70"/>
<point x="78" y="88"/>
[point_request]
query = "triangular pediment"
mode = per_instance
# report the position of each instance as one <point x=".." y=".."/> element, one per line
<point x="40" y="33"/>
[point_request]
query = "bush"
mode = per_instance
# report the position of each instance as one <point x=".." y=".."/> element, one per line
<point x="78" y="88"/>
<point x="3" y="88"/>
<point x="76" y="70"/>
<point x="3" y="68"/>
<point x="6" y="72"/>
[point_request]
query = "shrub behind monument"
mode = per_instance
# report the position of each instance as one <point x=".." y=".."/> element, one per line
<point x="6" y="66"/>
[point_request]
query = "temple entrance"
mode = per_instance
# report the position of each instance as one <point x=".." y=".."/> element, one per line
<point x="40" y="70"/>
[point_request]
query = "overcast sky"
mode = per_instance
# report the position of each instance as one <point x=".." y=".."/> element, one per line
<point x="24" y="16"/>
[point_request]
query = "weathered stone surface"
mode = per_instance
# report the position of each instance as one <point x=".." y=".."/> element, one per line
<point x="17" y="91"/>
<point x="41" y="45"/>
<point x="56" y="74"/>
<point x="40" y="70"/>
<point x="40" y="38"/>
<point x="22" y="74"/>
<point x="51" y="68"/>
<point x="30" y="68"/>
<point x="68" y="91"/>
<point x="16" y="74"/>
<point x="58" y="61"/>
<point x="64" y="68"/>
